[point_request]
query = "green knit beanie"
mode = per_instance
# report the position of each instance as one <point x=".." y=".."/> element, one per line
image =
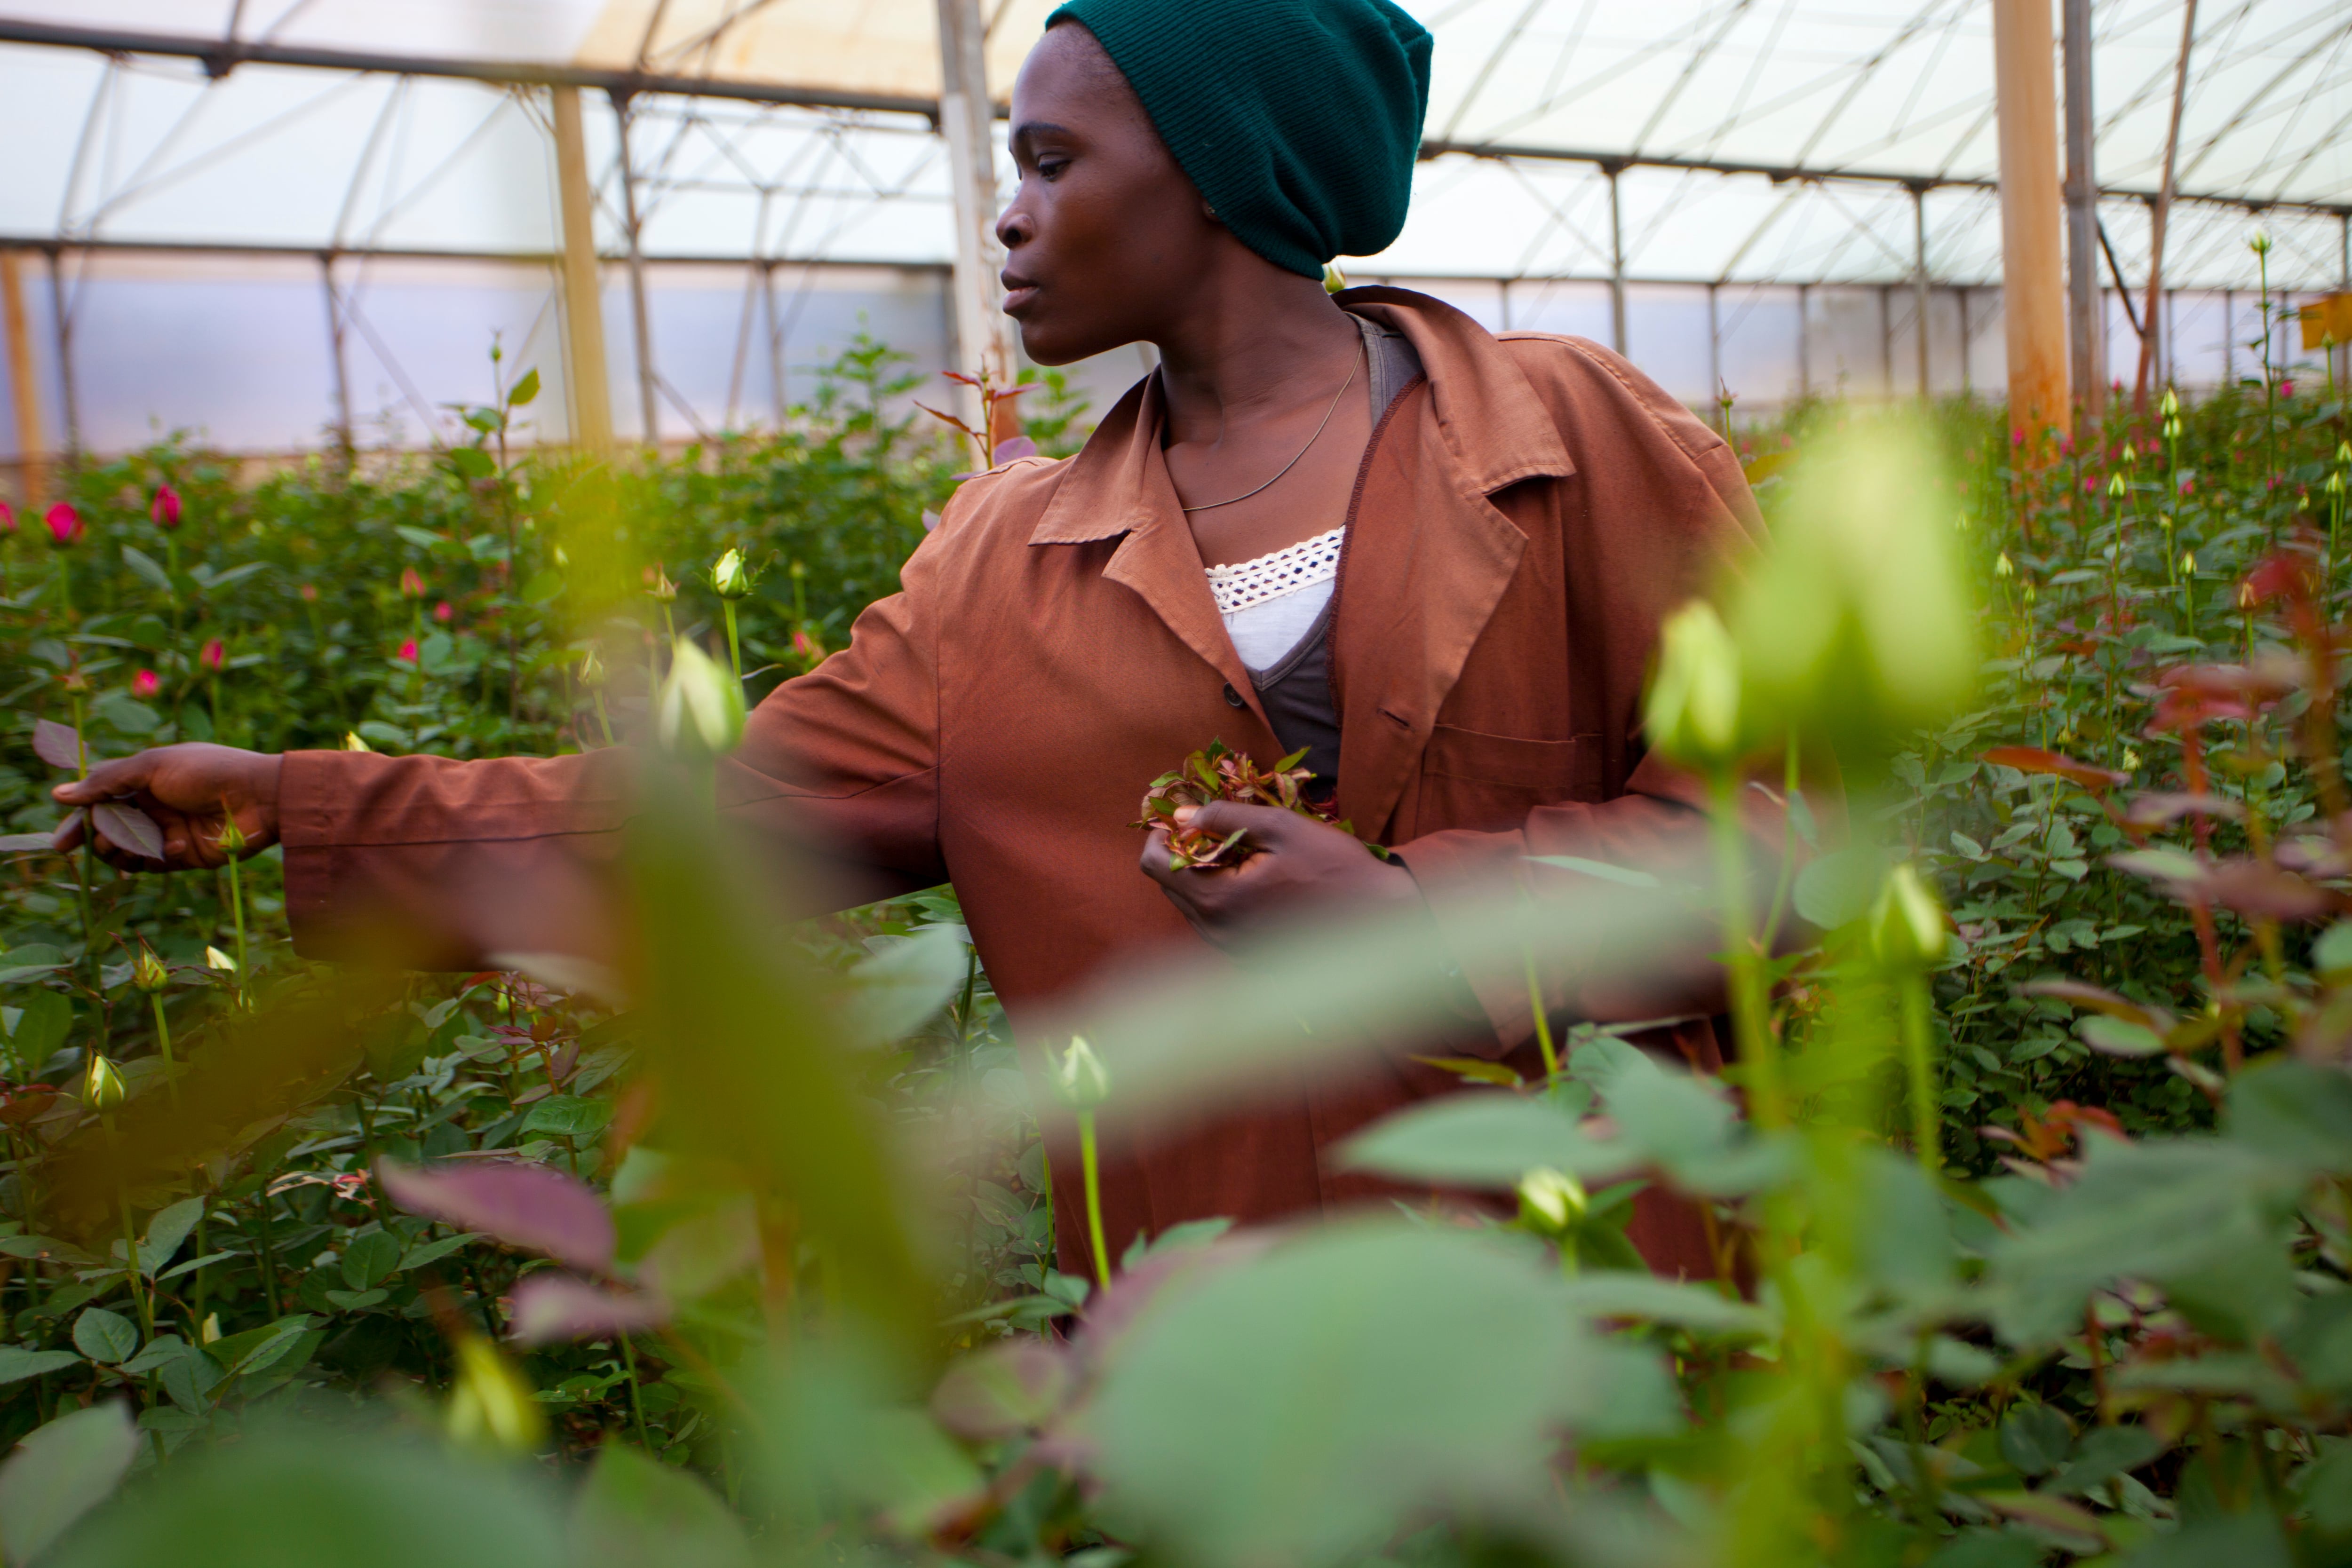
<point x="1299" y="121"/>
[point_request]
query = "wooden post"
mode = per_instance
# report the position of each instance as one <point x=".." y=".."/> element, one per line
<point x="2087" y="315"/>
<point x="588" y="384"/>
<point x="2157" y="218"/>
<point x="24" y="385"/>
<point x="2032" y="261"/>
<point x="983" y="348"/>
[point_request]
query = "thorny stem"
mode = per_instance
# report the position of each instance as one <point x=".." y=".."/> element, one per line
<point x="163" y="1044"/>
<point x="1759" y="1052"/>
<point x="236" y="912"/>
<point x="637" y="1395"/>
<point x="1093" y="1198"/>
<point x="1919" y="1064"/>
<point x="734" y="647"/>
<point x="89" y="860"/>
<point x="1787" y="880"/>
<point x="1924" y="1479"/>
<point x="1543" y="1023"/>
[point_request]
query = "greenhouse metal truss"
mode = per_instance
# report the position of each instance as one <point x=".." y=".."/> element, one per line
<point x="1733" y="146"/>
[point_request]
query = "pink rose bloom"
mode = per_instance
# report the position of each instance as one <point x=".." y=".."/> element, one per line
<point x="214" y="655"/>
<point x="7" y="519"/>
<point x="65" y="524"/>
<point x="407" y="655"/>
<point x="166" y="511"/>
<point x="412" y="584"/>
<point x="2286" y="389"/>
<point x="145" y="685"/>
<point x="444" y="613"/>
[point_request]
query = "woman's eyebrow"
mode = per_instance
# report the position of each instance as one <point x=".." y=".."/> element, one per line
<point x="1030" y="130"/>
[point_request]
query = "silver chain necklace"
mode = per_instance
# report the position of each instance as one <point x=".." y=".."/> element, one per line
<point x="1352" y="366"/>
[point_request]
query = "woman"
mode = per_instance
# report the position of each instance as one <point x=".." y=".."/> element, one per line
<point x="1434" y="557"/>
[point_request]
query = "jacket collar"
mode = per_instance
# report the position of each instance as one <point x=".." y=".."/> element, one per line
<point x="1492" y="428"/>
<point x="1429" y="555"/>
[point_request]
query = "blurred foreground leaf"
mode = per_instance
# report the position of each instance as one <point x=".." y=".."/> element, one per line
<point x="1299" y="1407"/>
<point x="300" y="1497"/>
<point x="635" y="1512"/>
<point x="61" y="1473"/>
<point x="750" y="1071"/>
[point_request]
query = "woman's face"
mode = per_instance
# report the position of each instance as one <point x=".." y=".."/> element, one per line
<point x="1106" y="234"/>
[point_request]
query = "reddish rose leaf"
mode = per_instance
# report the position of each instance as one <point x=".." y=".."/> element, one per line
<point x="2098" y="1001"/>
<point x="57" y="744"/>
<point x="131" y="829"/>
<point x="521" y="1205"/>
<point x="2034" y="759"/>
<point x="1017" y="1386"/>
<point x="2156" y="810"/>
<point x="551" y="1309"/>
<point x="2229" y="682"/>
<point x="2312" y="855"/>
<point x="1017" y="446"/>
<point x="2262" y="891"/>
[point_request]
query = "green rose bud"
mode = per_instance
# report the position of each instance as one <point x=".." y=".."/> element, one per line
<point x="491" y="1404"/>
<point x="148" y="972"/>
<point x="102" y="1088"/>
<point x="701" y="707"/>
<point x="591" y="672"/>
<point x="1552" y="1202"/>
<point x="1907" y="924"/>
<point x="1081" y="1081"/>
<point x="1692" y="715"/>
<point x="730" y="577"/>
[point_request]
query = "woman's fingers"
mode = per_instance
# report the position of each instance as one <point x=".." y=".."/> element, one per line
<point x="109" y="780"/>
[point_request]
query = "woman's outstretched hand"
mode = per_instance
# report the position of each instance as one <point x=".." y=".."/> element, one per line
<point x="192" y="792"/>
<point x="1296" y="862"/>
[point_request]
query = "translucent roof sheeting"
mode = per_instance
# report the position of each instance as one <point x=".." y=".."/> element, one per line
<point x="378" y="184"/>
<point x="141" y="148"/>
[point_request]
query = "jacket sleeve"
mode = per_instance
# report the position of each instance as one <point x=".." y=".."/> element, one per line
<point x="1667" y="481"/>
<point x="437" y="864"/>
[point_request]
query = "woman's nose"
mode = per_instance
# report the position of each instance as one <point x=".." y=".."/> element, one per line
<point x="1013" y="227"/>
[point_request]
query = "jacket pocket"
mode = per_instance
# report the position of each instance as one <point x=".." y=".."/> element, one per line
<point x="1470" y="780"/>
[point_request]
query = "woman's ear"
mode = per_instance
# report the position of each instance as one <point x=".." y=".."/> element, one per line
<point x="1209" y="213"/>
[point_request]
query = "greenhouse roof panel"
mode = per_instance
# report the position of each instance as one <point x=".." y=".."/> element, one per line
<point x="151" y="148"/>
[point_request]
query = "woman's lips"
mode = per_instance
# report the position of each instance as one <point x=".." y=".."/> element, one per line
<point x="1017" y="296"/>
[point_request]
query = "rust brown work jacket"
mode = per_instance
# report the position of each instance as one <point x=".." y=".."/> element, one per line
<point x="1524" y="515"/>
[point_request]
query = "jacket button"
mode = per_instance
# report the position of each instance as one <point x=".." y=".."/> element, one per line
<point x="1233" y="697"/>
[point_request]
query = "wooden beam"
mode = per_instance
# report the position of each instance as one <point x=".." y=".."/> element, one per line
<point x="983" y="348"/>
<point x="588" y="384"/>
<point x="2032" y="259"/>
<point x="23" y="384"/>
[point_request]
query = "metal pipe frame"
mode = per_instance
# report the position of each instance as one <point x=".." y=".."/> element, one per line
<point x="219" y="57"/>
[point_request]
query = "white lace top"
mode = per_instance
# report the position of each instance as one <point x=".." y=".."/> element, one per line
<point x="1269" y="603"/>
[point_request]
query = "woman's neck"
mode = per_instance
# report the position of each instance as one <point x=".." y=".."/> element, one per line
<point x="1239" y="355"/>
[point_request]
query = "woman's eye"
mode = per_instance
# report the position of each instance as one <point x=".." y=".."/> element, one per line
<point x="1050" y="169"/>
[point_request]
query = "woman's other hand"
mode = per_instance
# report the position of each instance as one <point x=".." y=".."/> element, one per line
<point x="192" y="792"/>
<point x="1295" y="862"/>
